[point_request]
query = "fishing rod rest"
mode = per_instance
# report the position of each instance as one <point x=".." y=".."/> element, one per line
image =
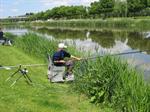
<point x="23" y="71"/>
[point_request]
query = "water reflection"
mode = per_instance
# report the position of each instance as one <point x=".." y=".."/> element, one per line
<point x="147" y="34"/>
<point x="106" y="39"/>
<point x="103" y="40"/>
<point x="138" y="41"/>
<point x="15" y="29"/>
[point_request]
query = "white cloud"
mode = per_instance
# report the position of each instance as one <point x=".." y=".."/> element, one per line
<point x="83" y="2"/>
<point x="52" y="3"/>
<point x="1" y="10"/>
<point x="23" y="6"/>
<point x="16" y="3"/>
<point x="15" y="10"/>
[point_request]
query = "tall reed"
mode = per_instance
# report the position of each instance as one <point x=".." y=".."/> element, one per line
<point x="110" y="81"/>
<point x="35" y="45"/>
<point x="38" y="46"/>
<point x="122" y="23"/>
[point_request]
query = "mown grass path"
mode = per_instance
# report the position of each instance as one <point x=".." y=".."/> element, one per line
<point x="42" y="96"/>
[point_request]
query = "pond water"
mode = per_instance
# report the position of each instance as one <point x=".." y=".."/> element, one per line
<point x="99" y="41"/>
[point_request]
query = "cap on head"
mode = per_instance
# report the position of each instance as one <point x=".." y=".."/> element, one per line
<point x="62" y="45"/>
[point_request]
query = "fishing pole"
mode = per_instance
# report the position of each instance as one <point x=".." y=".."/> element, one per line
<point x="117" y="54"/>
<point x="16" y="32"/>
<point x="29" y="65"/>
<point x="34" y="65"/>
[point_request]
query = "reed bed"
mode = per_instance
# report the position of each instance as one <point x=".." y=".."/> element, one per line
<point x="35" y="45"/>
<point x="38" y="46"/>
<point x="110" y="81"/>
<point x="122" y="23"/>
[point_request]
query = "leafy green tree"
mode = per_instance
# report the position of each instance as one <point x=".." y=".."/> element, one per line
<point x="47" y="14"/>
<point x="66" y="12"/>
<point x="95" y="8"/>
<point x="148" y="3"/>
<point x="136" y="5"/>
<point x="120" y="9"/>
<point x="102" y="7"/>
<point x="107" y="5"/>
<point x="80" y="11"/>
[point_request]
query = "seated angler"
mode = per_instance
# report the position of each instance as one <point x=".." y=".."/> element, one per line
<point x="60" y="55"/>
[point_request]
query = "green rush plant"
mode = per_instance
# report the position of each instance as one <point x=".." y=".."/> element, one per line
<point x="35" y="45"/>
<point x="110" y="23"/>
<point x="110" y="81"/>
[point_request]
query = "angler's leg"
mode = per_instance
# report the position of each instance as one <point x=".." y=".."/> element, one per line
<point x="69" y="67"/>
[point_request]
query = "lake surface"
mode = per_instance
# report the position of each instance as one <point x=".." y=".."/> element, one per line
<point x="99" y="41"/>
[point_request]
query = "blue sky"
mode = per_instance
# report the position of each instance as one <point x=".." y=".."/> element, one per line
<point x="20" y="7"/>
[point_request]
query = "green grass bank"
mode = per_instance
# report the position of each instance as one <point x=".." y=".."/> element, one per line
<point x="42" y="96"/>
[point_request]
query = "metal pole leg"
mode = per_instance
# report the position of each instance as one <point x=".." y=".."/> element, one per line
<point x="26" y="78"/>
<point x="12" y="75"/>
<point x="15" y="81"/>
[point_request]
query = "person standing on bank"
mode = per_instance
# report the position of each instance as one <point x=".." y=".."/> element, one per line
<point x="60" y="55"/>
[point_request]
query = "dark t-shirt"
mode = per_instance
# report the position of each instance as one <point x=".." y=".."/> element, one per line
<point x="60" y="55"/>
<point x="1" y="35"/>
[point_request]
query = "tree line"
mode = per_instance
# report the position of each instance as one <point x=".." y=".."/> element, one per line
<point x="98" y="9"/>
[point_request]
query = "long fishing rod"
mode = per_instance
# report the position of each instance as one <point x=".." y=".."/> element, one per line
<point x="29" y="65"/>
<point x="117" y="54"/>
<point x="34" y="65"/>
<point x="17" y="31"/>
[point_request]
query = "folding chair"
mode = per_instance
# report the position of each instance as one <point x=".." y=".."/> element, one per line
<point x="56" y="74"/>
